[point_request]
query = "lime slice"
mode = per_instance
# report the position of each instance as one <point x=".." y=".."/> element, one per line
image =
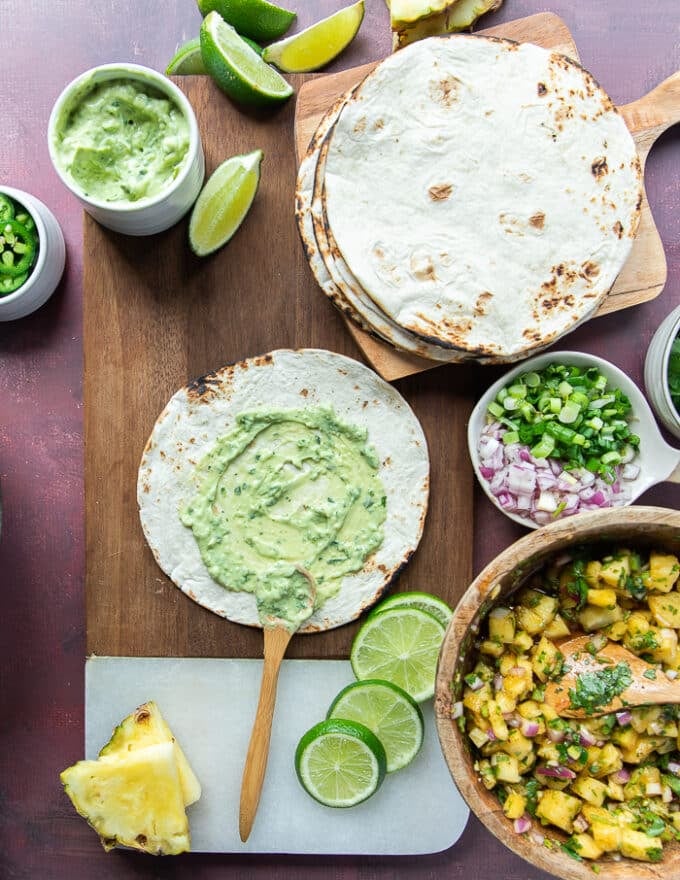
<point x="425" y="601"/>
<point x="317" y="45"/>
<point x="256" y="19"/>
<point x="340" y="763"/>
<point x="187" y="59"/>
<point x="237" y="68"/>
<point x="400" y="645"/>
<point x="224" y="202"/>
<point x="387" y="710"/>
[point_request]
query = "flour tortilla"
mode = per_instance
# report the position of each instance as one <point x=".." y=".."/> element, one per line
<point x="205" y="410"/>
<point x="484" y="193"/>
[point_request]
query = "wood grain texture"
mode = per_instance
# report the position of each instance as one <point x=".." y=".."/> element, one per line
<point x="642" y="527"/>
<point x="644" y="274"/>
<point x="151" y="303"/>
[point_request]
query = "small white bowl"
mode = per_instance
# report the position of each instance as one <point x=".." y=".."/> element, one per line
<point x="656" y="372"/>
<point x="158" y="212"/>
<point x="656" y="459"/>
<point x="48" y="268"/>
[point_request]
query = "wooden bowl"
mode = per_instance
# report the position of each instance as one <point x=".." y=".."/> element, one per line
<point x="629" y="526"/>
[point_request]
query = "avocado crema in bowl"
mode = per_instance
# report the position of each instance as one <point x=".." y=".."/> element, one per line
<point x="124" y="139"/>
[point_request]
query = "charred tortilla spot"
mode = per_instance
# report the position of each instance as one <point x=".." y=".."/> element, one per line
<point x="599" y="167"/>
<point x="360" y="127"/>
<point x="591" y="270"/>
<point x="618" y="229"/>
<point x="439" y="192"/>
<point x="482" y="302"/>
<point x="541" y="89"/>
<point x="304" y="392"/>
<point x="203" y="387"/>
<point x="378" y="124"/>
<point x="537" y="220"/>
<point x="445" y="91"/>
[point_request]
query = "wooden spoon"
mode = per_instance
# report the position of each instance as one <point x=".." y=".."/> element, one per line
<point x="648" y="686"/>
<point x="277" y="635"/>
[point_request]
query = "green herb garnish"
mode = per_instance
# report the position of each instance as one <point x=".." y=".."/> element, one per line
<point x="596" y="689"/>
<point x="674" y="373"/>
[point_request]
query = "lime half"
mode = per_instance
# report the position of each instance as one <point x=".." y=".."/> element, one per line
<point x="224" y="202"/>
<point x="317" y="45"/>
<point x="256" y="19"/>
<point x="425" y="601"/>
<point x="393" y="716"/>
<point x="237" y="68"/>
<point x="187" y="59"/>
<point x="400" y="645"/>
<point x="340" y="763"/>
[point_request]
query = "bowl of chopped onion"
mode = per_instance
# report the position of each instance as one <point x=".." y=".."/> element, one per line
<point x="572" y="796"/>
<point x="566" y="433"/>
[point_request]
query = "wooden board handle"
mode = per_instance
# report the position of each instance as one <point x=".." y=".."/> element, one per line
<point x="653" y="113"/>
<point x="275" y="644"/>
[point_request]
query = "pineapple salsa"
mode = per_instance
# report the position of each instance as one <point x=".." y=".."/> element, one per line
<point x="612" y="783"/>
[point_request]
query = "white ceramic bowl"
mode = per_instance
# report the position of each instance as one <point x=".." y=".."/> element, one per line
<point x="656" y="459"/>
<point x="158" y="212"/>
<point x="48" y="268"/>
<point x="656" y="372"/>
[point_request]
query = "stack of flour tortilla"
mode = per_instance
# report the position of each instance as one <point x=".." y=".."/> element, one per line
<point x="470" y="198"/>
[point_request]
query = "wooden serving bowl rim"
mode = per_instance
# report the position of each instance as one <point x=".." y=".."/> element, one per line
<point x="629" y="526"/>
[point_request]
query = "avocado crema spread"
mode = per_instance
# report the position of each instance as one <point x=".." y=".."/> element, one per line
<point x="122" y="140"/>
<point x="283" y="490"/>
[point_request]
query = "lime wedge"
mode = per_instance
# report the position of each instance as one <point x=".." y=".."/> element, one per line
<point x="400" y="645"/>
<point x="187" y="59"/>
<point x="256" y="19"/>
<point x="317" y="45"/>
<point x="237" y="68"/>
<point x="340" y="763"/>
<point x="425" y="601"/>
<point x="387" y="710"/>
<point x="224" y="202"/>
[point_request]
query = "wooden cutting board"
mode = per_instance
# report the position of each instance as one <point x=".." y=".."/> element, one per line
<point x="644" y="274"/>
<point x="156" y="317"/>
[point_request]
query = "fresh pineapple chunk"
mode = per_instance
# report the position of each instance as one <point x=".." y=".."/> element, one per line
<point x="546" y="659"/>
<point x="505" y="767"/>
<point x="457" y="16"/>
<point x="666" y="609"/>
<point x="406" y="12"/>
<point x="585" y="846"/>
<point x="515" y="805"/>
<point x="501" y="625"/>
<point x="145" y="727"/>
<point x="591" y="790"/>
<point x="132" y="799"/>
<point x="638" y="845"/>
<point x="559" y="809"/>
<point x="664" y="571"/>
<point x="615" y="571"/>
<point x="593" y="618"/>
<point x="557" y="628"/>
<point x="536" y="611"/>
<point x="602" y="598"/>
<point x="592" y="573"/>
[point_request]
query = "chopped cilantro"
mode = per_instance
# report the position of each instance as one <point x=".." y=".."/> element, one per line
<point x="596" y="689"/>
<point x="650" y="673"/>
<point x="571" y="848"/>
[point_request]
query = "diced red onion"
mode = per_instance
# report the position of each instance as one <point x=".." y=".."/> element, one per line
<point x="652" y="789"/>
<point x="457" y="710"/>
<point x="522" y="825"/>
<point x="672" y="674"/>
<point x="667" y="794"/>
<point x="674" y="768"/>
<point x="624" y="717"/>
<point x="586" y="738"/>
<point x="621" y="776"/>
<point x="529" y="728"/>
<point x="581" y="823"/>
<point x="497" y="681"/>
<point x="514" y="721"/>
<point x="555" y="736"/>
<point x="540" y="489"/>
<point x="491" y="735"/>
<point x="558" y="772"/>
<point x="475" y="683"/>
<point x="630" y="472"/>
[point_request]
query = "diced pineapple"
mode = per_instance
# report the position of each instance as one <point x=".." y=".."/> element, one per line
<point x="517" y="745"/>
<point x="605" y="760"/>
<point x="593" y="618"/>
<point x="557" y="628"/>
<point x="496" y="720"/>
<point x="505" y="702"/>
<point x="602" y="598"/>
<point x="591" y="790"/>
<point x="607" y="836"/>
<point x="529" y="709"/>
<point x="585" y="846"/>
<point x="546" y="659"/>
<point x="515" y="805"/>
<point x="132" y="799"/>
<point x="644" y="748"/>
<point x="144" y="727"/>
<point x="666" y="650"/>
<point x="666" y="609"/>
<point x="592" y="573"/>
<point x="559" y="809"/>
<point x="664" y="571"/>
<point x="536" y="610"/>
<point x="615" y="790"/>
<point x="505" y="767"/>
<point x="617" y="630"/>
<point x="501" y="625"/>
<point x="638" y="845"/>
<point x="615" y="571"/>
<point x="492" y="649"/>
<point x="522" y="641"/>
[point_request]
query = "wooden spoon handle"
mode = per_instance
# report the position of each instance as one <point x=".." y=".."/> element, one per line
<point x="653" y="113"/>
<point x="275" y="644"/>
